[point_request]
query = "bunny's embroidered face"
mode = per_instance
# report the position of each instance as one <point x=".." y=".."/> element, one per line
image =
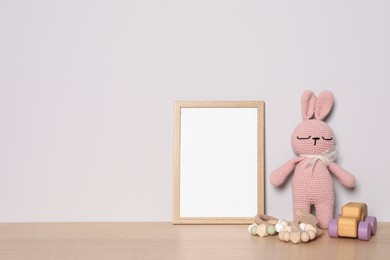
<point x="314" y="136"/>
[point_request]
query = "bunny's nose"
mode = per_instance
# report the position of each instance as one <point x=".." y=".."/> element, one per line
<point x="315" y="140"/>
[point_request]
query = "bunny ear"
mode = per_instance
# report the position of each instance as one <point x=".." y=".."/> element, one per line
<point x="308" y="102"/>
<point x="323" y="105"/>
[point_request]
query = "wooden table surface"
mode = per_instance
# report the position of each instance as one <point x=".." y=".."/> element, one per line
<point x="166" y="241"/>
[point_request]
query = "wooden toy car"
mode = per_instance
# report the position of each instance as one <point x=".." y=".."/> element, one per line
<point x="353" y="222"/>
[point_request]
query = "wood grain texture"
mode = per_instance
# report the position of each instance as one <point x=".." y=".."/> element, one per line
<point x="30" y="241"/>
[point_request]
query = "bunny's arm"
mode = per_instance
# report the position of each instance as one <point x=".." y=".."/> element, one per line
<point x="279" y="175"/>
<point x="345" y="177"/>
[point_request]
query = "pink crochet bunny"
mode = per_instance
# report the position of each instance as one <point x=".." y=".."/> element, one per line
<point x="313" y="141"/>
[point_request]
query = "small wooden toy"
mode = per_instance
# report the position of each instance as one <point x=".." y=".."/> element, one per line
<point x="353" y="222"/>
<point x="302" y="229"/>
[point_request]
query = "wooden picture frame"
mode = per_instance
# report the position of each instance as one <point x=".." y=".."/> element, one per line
<point x="208" y="190"/>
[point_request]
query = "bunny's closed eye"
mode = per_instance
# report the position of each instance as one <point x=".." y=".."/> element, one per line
<point x="327" y="139"/>
<point x="304" y="138"/>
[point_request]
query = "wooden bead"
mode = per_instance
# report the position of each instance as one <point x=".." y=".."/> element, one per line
<point x="253" y="229"/>
<point x="305" y="237"/>
<point x="250" y="227"/>
<point x="271" y="230"/>
<point x="295" y="237"/>
<point x="302" y="226"/>
<point x="310" y="227"/>
<point x="283" y="222"/>
<point x="280" y="235"/>
<point x="286" y="236"/>
<point x="279" y="227"/>
<point x="289" y="228"/>
<point x="262" y="230"/>
<point x="312" y="234"/>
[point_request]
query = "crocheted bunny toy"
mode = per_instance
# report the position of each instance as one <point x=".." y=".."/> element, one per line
<point x="313" y="141"/>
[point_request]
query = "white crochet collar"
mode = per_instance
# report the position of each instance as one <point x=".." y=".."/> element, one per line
<point x="326" y="157"/>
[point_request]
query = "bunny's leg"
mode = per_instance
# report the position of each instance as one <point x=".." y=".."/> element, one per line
<point x="324" y="212"/>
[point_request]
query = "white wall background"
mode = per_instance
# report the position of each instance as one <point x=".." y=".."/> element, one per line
<point x="86" y="91"/>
